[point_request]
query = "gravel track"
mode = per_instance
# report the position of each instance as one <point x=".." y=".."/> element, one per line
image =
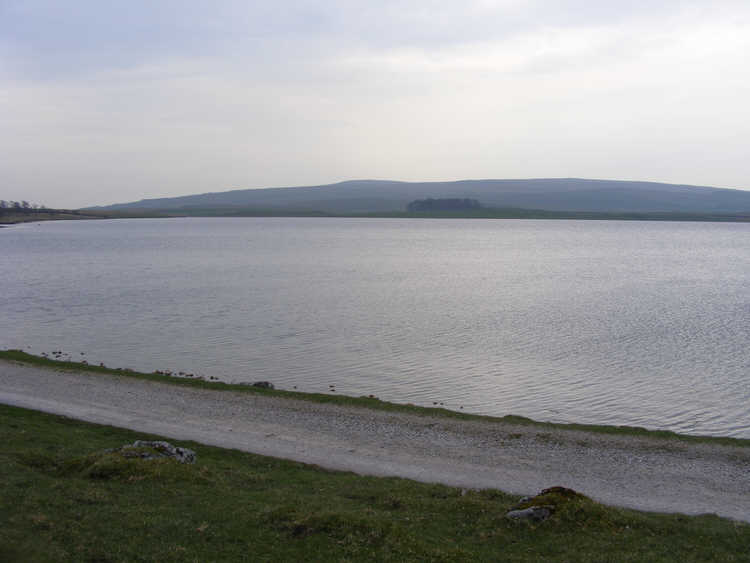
<point x="637" y="472"/>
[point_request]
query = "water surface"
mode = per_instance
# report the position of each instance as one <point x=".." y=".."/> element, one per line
<point x="637" y="323"/>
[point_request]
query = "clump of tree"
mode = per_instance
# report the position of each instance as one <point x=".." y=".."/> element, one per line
<point x="20" y="206"/>
<point x="445" y="204"/>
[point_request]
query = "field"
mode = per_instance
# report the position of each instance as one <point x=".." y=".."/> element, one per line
<point x="63" y="498"/>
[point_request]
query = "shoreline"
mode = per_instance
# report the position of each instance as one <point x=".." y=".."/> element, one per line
<point x="621" y="467"/>
<point x="487" y="214"/>
<point x="13" y="217"/>
<point x="370" y="402"/>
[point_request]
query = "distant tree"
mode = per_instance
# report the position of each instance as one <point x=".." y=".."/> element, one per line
<point x="16" y="204"/>
<point x="3" y="204"/>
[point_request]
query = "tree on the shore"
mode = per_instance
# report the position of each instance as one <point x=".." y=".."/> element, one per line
<point x="23" y="206"/>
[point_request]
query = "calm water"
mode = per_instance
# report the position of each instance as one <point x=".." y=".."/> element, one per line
<point x="637" y="323"/>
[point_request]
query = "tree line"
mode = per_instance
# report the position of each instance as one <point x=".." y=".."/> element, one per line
<point x="20" y="205"/>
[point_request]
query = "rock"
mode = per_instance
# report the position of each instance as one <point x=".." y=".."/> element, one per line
<point x="533" y="513"/>
<point x="562" y="492"/>
<point x="263" y="384"/>
<point x="159" y="449"/>
<point x="541" y="506"/>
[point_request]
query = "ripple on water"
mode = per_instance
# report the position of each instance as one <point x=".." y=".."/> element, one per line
<point x="597" y="322"/>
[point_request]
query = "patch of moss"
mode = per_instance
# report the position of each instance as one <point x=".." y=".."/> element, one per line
<point x="111" y="465"/>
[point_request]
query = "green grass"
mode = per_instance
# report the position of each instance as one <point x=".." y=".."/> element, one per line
<point x="62" y="498"/>
<point x="364" y="402"/>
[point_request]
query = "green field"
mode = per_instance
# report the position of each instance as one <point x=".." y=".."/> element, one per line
<point x="63" y="498"/>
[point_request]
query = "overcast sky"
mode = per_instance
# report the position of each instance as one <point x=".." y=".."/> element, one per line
<point x="113" y="101"/>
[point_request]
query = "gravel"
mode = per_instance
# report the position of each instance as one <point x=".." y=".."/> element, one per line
<point x="644" y="473"/>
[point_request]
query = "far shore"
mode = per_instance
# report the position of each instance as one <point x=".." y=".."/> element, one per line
<point x="31" y="216"/>
<point x="15" y="217"/>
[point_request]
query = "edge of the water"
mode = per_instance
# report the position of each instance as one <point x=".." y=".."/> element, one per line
<point x="370" y="402"/>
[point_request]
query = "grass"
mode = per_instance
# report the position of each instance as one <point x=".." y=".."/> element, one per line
<point x="64" y="498"/>
<point x="364" y="402"/>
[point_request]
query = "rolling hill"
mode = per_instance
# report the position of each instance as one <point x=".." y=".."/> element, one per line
<point x="381" y="196"/>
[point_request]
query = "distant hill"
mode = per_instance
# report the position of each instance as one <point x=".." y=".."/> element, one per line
<point x="378" y="196"/>
<point x="452" y="204"/>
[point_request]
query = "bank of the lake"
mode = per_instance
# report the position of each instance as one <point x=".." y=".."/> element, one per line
<point x="624" y="467"/>
<point x="20" y="357"/>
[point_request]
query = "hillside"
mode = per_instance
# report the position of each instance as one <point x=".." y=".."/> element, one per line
<point x="557" y="194"/>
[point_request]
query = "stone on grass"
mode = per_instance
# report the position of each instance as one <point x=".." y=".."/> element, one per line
<point x="156" y="449"/>
<point x="541" y="506"/>
<point x="533" y="513"/>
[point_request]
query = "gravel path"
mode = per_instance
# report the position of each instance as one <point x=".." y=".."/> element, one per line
<point x="643" y="473"/>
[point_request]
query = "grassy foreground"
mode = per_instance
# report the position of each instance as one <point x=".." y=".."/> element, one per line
<point x="365" y="402"/>
<point x="62" y="498"/>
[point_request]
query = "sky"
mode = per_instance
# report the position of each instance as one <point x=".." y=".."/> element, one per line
<point x="104" y="102"/>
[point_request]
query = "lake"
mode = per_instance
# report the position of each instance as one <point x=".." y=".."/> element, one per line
<point x="602" y="322"/>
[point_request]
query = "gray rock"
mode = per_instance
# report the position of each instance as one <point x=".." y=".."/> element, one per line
<point x="263" y="384"/>
<point x="159" y="449"/>
<point x="533" y="513"/>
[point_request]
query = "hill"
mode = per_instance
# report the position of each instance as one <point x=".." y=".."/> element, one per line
<point x="381" y="196"/>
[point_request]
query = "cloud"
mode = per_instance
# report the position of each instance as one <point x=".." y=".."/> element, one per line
<point x="105" y="102"/>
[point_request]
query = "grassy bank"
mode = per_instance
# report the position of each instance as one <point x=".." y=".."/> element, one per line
<point x="365" y="402"/>
<point x="62" y="498"/>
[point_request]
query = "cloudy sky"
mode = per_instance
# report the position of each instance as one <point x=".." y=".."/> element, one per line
<point x="103" y="102"/>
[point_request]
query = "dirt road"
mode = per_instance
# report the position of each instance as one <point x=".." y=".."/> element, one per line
<point x="630" y="471"/>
